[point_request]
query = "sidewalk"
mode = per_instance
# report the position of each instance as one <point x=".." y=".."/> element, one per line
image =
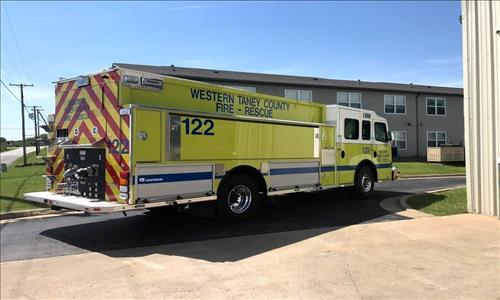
<point x="426" y="258"/>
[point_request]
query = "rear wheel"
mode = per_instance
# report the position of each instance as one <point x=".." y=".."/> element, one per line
<point x="365" y="181"/>
<point x="238" y="198"/>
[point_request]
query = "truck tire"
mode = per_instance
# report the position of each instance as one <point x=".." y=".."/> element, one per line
<point x="365" y="181"/>
<point x="238" y="198"/>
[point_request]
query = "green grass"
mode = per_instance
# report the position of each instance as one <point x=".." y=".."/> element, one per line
<point x="425" y="168"/>
<point x="19" y="180"/>
<point x="445" y="203"/>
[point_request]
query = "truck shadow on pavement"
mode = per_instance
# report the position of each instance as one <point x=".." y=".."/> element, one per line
<point x="294" y="218"/>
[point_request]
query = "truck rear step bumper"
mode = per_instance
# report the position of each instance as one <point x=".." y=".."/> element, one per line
<point x="94" y="206"/>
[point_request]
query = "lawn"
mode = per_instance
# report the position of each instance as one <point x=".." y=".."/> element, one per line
<point x="425" y="168"/>
<point x="445" y="203"/>
<point x="19" y="180"/>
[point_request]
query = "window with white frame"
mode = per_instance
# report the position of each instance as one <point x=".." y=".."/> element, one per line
<point x="436" y="138"/>
<point x="394" y="104"/>
<point x="303" y="95"/>
<point x="349" y="99"/>
<point x="244" y="88"/>
<point x="399" y="138"/>
<point x="436" y="106"/>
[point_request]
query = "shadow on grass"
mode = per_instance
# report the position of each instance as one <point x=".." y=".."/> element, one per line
<point x="290" y="219"/>
<point x="454" y="164"/>
<point x="30" y="164"/>
<point x="14" y="200"/>
<point x="420" y="202"/>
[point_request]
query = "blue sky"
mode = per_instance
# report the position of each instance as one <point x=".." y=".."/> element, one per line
<point x="418" y="42"/>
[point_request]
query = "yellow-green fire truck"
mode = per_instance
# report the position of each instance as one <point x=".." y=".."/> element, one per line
<point x="125" y="140"/>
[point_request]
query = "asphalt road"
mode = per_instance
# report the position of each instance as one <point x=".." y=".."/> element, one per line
<point x="72" y="234"/>
<point x="9" y="157"/>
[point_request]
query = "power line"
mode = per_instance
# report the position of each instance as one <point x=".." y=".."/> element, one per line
<point x="20" y="54"/>
<point x="12" y="92"/>
<point x="11" y="57"/>
<point x="15" y="41"/>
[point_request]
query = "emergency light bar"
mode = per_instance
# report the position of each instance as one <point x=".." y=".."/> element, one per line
<point x="153" y="83"/>
<point x="138" y="82"/>
<point x="82" y="81"/>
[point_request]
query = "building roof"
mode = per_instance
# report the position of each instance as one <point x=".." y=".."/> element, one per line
<point x="246" y="77"/>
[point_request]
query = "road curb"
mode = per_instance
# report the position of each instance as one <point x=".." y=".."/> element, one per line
<point x="48" y="214"/>
<point x="404" y="203"/>
<point x="25" y="213"/>
<point x="432" y="176"/>
<point x="399" y="205"/>
<point x="29" y="213"/>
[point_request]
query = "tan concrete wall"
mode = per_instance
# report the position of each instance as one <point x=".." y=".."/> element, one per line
<point x="481" y="50"/>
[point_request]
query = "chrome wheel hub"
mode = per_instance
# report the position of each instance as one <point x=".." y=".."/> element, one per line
<point x="366" y="183"/>
<point x="239" y="199"/>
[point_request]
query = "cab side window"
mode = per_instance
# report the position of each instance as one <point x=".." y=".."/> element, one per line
<point x="351" y="129"/>
<point x="366" y="130"/>
<point x="380" y="132"/>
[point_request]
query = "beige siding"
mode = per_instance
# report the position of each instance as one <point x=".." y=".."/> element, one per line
<point x="481" y="47"/>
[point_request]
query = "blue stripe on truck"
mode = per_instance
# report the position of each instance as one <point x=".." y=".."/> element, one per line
<point x="176" y="177"/>
<point x="294" y="171"/>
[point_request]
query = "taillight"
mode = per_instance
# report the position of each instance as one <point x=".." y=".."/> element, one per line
<point x="124" y="182"/>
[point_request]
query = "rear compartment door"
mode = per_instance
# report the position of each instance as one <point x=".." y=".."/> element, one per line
<point x="147" y="139"/>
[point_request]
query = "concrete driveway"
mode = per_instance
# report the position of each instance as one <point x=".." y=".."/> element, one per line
<point x="433" y="257"/>
<point x="9" y="157"/>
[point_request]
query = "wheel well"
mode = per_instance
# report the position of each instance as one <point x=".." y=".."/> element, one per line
<point x="249" y="171"/>
<point x="370" y="165"/>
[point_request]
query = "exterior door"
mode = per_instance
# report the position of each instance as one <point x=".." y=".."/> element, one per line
<point x="348" y="144"/>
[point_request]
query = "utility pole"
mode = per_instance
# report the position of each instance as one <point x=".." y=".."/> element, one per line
<point x="36" y="111"/>
<point x="38" y="114"/>
<point x="21" y="86"/>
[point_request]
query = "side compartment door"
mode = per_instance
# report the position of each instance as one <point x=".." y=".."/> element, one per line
<point x="328" y="156"/>
<point x="147" y="135"/>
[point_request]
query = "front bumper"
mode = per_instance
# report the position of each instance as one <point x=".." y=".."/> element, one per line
<point x="395" y="173"/>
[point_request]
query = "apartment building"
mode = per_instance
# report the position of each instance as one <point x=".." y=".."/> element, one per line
<point x="419" y="116"/>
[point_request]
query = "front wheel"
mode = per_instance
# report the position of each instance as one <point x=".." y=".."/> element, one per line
<point x="365" y="181"/>
<point x="238" y="198"/>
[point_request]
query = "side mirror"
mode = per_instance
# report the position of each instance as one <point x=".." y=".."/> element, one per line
<point x="389" y="137"/>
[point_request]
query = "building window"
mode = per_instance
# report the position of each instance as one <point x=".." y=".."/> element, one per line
<point x="436" y="106"/>
<point x="303" y="95"/>
<point x="380" y="132"/>
<point x="244" y="88"/>
<point x="399" y="138"/>
<point x="349" y="99"/>
<point x="394" y="104"/>
<point x="366" y="128"/>
<point x="436" y="138"/>
<point x="351" y="129"/>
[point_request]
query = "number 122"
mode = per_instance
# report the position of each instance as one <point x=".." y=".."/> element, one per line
<point x="197" y="126"/>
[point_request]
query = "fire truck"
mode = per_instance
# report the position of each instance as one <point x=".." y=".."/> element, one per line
<point x="125" y="140"/>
